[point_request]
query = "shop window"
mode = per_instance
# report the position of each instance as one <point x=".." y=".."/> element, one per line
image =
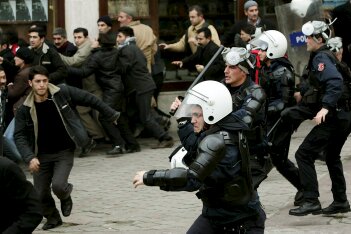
<point x="141" y="7"/>
<point x="23" y="10"/>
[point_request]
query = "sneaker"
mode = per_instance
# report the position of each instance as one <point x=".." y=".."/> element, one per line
<point x="164" y="144"/>
<point x="87" y="149"/>
<point x="116" y="150"/>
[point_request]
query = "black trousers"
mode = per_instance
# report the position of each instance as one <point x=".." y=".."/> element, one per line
<point x="254" y="225"/>
<point x="280" y="138"/>
<point x="143" y="104"/>
<point x="315" y="141"/>
<point x="333" y="159"/>
<point x="53" y="172"/>
<point x="121" y="134"/>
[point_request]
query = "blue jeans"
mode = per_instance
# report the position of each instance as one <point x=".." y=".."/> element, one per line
<point x="10" y="148"/>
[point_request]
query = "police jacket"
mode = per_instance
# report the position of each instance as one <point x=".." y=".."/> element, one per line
<point x="278" y="81"/>
<point x="132" y="66"/>
<point x="50" y="59"/>
<point x="214" y="172"/>
<point x="323" y="85"/>
<point x="248" y="106"/>
<point x="65" y="98"/>
<point x="20" y="208"/>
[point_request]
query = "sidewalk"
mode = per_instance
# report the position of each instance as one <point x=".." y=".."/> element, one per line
<point x="106" y="202"/>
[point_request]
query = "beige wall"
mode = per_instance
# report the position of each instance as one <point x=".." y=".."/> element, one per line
<point x="81" y="13"/>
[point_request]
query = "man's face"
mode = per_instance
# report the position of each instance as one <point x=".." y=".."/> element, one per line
<point x="3" y="47"/>
<point x="202" y="40"/>
<point x="39" y="85"/>
<point x="245" y="36"/>
<point x="103" y="27"/>
<point x="35" y="41"/>
<point x="18" y="61"/>
<point x="79" y="38"/>
<point x="252" y="13"/>
<point x="234" y="76"/>
<point x="262" y="54"/>
<point x="120" y="38"/>
<point x="2" y="80"/>
<point x="59" y="40"/>
<point x="124" y="19"/>
<point x="195" y="19"/>
<point x="197" y="119"/>
<point x="312" y="45"/>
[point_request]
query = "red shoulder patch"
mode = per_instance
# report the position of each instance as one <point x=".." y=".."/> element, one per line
<point x="321" y="67"/>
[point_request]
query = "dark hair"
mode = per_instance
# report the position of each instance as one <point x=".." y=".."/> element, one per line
<point x="127" y="31"/>
<point x="38" y="30"/>
<point x="81" y="30"/>
<point x="248" y="28"/>
<point x="11" y="36"/>
<point x="38" y="69"/>
<point x="1" y="68"/>
<point x="4" y="41"/>
<point x="198" y="9"/>
<point x="319" y="35"/>
<point x="206" y="31"/>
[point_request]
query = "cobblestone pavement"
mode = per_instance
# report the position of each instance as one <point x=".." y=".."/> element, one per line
<point x="106" y="202"/>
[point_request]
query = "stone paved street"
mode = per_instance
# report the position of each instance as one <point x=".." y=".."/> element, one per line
<point x="106" y="202"/>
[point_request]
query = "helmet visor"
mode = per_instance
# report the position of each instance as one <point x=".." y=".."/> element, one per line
<point x="191" y="105"/>
<point x="258" y="44"/>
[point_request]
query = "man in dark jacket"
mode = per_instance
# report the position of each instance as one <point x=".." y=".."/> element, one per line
<point x="251" y="11"/>
<point x="20" y="207"/>
<point x="103" y="63"/>
<point x="139" y="84"/>
<point x="46" y="56"/>
<point x="205" y="51"/>
<point x="62" y="45"/>
<point x="50" y="110"/>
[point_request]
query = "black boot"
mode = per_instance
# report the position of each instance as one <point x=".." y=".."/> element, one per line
<point x="308" y="207"/>
<point x="337" y="207"/>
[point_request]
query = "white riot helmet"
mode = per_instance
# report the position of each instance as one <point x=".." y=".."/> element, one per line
<point x="300" y="7"/>
<point x="212" y="96"/>
<point x="313" y="28"/>
<point x="272" y="41"/>
<point x="335" y="44"/>
<point x="238" y="56"/>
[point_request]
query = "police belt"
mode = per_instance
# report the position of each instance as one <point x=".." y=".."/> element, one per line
<point x="344" y="104"/>
<point x="233" y="194"/>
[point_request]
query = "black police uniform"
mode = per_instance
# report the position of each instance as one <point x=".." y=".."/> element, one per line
<point x="337" y="141"/>
<point x="278" y="81"/>
<point x="218" y="169"/>
<point x="321" y="89"/>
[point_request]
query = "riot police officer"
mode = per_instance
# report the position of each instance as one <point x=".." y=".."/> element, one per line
<point x="340" y="203"/>
<point x="317" y="100"/>
<point x="277" y="78"/>
<point x="219" y="170"/>
<point x="248" y="116"/>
